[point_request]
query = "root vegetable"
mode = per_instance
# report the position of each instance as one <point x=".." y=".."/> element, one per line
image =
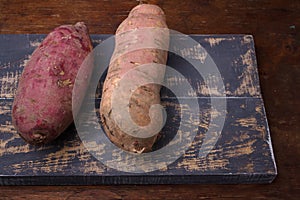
<point x="42" y="107"/>
<point x="141" y="16"/>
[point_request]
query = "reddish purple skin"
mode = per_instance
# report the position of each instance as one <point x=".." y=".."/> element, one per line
<point x="42" y="107"/>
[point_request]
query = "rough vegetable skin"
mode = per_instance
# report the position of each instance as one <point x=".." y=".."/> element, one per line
<point x="42" y="107"/>
<point x="141" y="16"/>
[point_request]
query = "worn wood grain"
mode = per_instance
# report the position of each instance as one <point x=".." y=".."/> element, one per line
<point x="243" y="152"/>
<point x="274" y="25"/>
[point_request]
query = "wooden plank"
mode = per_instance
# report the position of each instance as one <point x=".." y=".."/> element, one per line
<point x="233" y="54"/>
<point x="242" y="154"/>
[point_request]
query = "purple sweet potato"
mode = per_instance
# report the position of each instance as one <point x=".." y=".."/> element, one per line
<point x="42" y="107"/>
<point x="141" y="17"/>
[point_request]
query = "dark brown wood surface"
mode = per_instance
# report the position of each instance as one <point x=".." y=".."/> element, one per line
<point x="275" y="26"/>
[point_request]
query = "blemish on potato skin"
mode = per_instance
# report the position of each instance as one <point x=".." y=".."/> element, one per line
<point x="63" y="83"/>
<point x="32" y="100"/>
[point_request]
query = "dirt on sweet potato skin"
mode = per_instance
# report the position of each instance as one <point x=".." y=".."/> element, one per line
<point x="141" y="16"/>
<point x="42" y="107"/>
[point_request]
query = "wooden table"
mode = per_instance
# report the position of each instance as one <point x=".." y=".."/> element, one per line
<point x="275" y="26"/>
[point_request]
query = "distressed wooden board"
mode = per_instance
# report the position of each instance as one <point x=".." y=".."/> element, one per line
<point x="242" y="154"/>
<point x="234" y="56"/>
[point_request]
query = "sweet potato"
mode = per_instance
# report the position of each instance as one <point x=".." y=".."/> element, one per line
<point x="141" y="17"/>
<point x="42" y="107"/>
